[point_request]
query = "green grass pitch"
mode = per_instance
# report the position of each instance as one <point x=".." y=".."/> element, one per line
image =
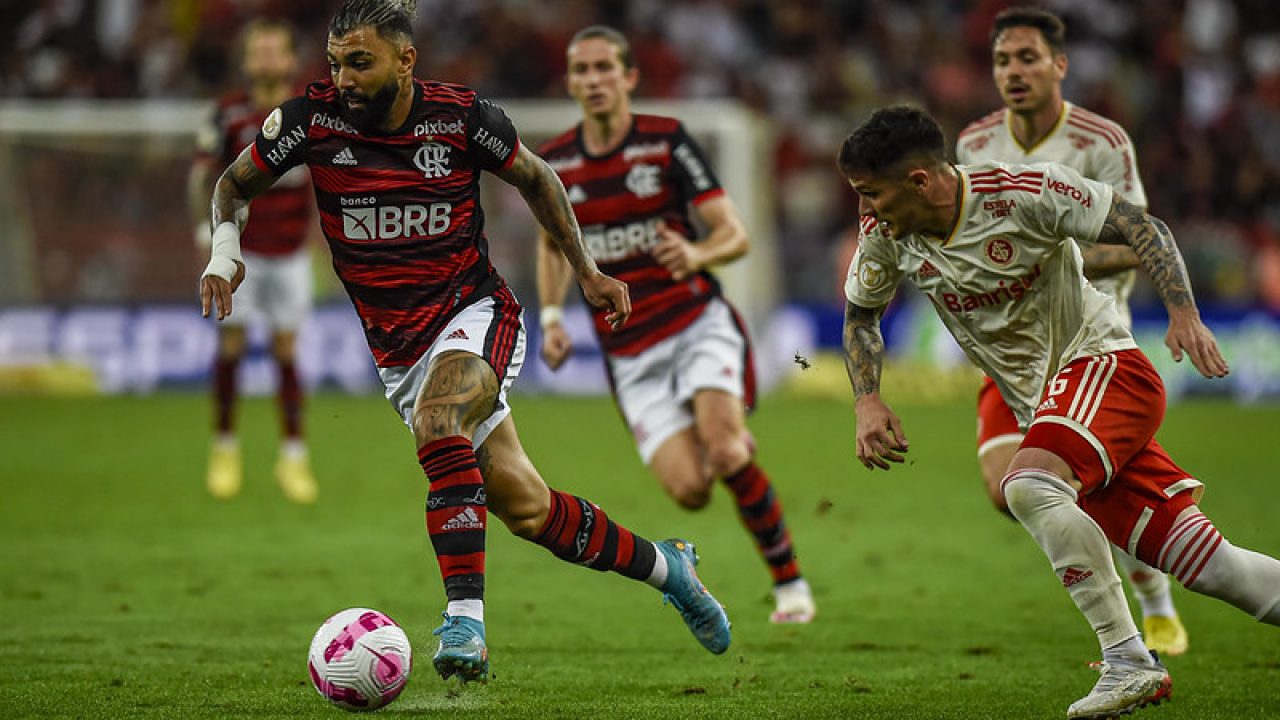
<point x="126" y="592"/>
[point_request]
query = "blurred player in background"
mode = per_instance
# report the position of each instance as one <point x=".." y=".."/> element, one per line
<point x="681" y="371"/>
<point x="1037" y="125"/>
<point x="278" y="286"/>
<point x="396" y="165"/>
<point x="994" y="246"/>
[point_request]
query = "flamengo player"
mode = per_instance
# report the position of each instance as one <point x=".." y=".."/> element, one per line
<point x="994" y="247"/>
<point x="1037" y="125"/>
<point x="278" y="289"/>
<point x="395" y="163"/>
<point x="681" y="370"/>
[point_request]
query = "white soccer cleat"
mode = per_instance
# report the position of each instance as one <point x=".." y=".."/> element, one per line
<point x="1122" y="689"/>
<point x="793" y="604"/>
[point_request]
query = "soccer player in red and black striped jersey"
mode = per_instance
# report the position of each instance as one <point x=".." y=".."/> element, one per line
<point x="278" y="290"/>
<point x="395" y="163"/>
<point x="681" y="370"/>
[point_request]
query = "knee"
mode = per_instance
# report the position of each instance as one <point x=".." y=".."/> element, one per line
<point x="282" y="347"/>
<point x="231" y="344"/>
<point x="690" y="488"/>
<point x="728" y="456"/>
<point x="691" y="498"/>
<point x="1027" y="491"/>
<point x="428" y="428"/>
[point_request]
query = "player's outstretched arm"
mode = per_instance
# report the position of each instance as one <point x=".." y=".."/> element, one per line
<point x="1153" y="243"/>
<point x="880" y="438"/>
<point x="546" y="197"/>
<point x="240" y="183"/>
<point x="554" y="276"/>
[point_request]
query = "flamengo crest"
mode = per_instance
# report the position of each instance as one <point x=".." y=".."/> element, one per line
<point x="433" y="160"/>
<point x="644" y="180"/>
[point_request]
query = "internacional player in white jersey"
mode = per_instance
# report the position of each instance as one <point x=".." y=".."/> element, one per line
<point x="1028" y="63"/>
<point x="995" y="248"/>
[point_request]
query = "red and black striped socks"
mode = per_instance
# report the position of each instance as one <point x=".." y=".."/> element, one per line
<point x="224" y="394"/>
<point x="289" y="396"/>
<point x="580" y="532"/>
<point x="761" y="513"/>
<point x="456" y="515"/>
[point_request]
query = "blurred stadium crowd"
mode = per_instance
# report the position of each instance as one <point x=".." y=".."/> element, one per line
<point x="1196" y="82"/>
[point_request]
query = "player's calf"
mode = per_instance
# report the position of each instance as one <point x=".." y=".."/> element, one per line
<point x="1202" y="560"/>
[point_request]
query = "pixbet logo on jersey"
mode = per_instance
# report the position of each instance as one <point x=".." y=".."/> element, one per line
<point x="390" y="222"/>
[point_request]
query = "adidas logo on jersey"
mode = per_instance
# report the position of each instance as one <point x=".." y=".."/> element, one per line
<point x="577" y="195"/>
<point x="467" y="519"/>
<point x="1072" y="576"/>
<point x="344" y="157"/>
<point x="927" y="270"/>
<point x="458" y="334"/>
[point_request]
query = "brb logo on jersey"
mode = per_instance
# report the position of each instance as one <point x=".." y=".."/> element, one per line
<point x="433" y="160"/>
<point x="390" y="222"/>
<point x="644" y="180"/>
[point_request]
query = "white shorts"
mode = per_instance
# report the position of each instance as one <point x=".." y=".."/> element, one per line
<point x="276" y="290"/>
<point x="655" y="388"/>
<point x="489" y="328"/>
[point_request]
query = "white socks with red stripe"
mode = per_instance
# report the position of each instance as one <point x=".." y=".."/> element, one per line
<point x="1150" y="585"/>
<point x="1077" y="548"/>
<point x="1202" y="560"/>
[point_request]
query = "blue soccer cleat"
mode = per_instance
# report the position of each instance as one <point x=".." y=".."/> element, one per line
<point x="462" y="651"/>
<point x="703" y="614"/>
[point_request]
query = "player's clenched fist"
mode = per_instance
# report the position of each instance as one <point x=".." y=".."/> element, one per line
<point x="609" y="294"/>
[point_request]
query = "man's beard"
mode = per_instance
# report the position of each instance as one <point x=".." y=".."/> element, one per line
<point x="370" y="117"/>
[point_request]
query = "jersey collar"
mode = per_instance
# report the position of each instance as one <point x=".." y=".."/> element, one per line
<point x="962" y="203"/>
<point x="1008" y="124"/>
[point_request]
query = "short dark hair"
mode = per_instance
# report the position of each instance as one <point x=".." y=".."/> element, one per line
<point x="267" y="25"/>
<point x="890" y="136"/>
<point x="393" y="19"/>
<point x="1049" y="25"/>
<point x="610" y="35"/>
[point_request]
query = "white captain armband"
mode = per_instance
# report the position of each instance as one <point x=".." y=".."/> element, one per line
<point x="226" y="251"/>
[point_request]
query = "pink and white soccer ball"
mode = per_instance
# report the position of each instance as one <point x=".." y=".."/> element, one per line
<point x="359" y="659"/>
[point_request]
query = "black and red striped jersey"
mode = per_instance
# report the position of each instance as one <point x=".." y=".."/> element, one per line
<point x="279" y="221"/>
<point x="656" y="174"/>
<point x="401" y="210"/>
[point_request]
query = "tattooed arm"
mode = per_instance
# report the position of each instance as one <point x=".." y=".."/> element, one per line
<point x="1158" y="254"/>
<point x="545" y="195"/>
<point x="239" y="184"/>
<point x="880" y="438"/>
<point x="1102" y="260"/>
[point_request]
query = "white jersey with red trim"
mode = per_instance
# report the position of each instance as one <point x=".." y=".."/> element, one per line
<point x="1007" y="282"/>
<point x="1091" y="144"/>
